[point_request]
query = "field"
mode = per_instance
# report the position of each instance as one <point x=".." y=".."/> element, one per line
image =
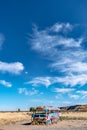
<point x="12" y="117"/>
<point x="74" y="115"/>
<point x="21" y="121"/>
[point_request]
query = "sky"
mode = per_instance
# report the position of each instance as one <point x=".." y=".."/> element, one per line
<point x="43" y="53"/>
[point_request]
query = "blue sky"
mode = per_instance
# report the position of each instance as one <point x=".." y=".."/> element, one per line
<point x="43" y="53"/>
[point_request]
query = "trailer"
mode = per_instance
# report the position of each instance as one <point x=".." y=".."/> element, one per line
<point x="46" y="115"/>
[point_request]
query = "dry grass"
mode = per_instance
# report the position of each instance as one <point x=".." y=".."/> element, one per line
<point x="12" y="117"/>
<point x="74" y="115"/>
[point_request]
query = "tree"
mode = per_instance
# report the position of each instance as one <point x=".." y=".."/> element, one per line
<point x="32" y="109"/>
<point x="19" y="110"/>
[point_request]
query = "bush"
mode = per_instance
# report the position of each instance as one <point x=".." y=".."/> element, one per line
<point x="19" y="110"/>
<point x="32" y="109"/>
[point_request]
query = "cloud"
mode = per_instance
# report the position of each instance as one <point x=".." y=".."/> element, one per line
<point x="79" y="67"/>
<point x="74" y="96"/>
<point x="45" y="40"/>
<point x="49" y="45"/>
<point x="61" y="27"/>
<point x="45" y="81"/>
<point x="14" y="68"/>
<point x="2" y="39"/>
<point x="64" y="50"/>
<point x="26" y="72"/>
<point x="70" y="80"/>
<point x="27" y="92"/>
<point x="5" y="83"/>
<point x="63" y="90"/>
<point x="83" y="93"/>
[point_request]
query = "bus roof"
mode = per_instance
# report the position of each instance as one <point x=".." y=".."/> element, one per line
<point x="47" y="108"/>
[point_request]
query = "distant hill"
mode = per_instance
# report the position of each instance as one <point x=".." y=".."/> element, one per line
<point x="75" y="108"/>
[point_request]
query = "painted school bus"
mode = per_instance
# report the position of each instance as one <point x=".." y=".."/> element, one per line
<point x="46" y="115"/>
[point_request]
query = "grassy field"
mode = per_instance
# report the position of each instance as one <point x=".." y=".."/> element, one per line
<point x="12" y="117"/>
<point x="74" y="115"/>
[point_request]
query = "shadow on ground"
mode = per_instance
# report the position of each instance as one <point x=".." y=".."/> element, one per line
<point x="29" y="123"/>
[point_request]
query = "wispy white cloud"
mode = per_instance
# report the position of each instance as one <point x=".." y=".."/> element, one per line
<point x="79" y="67"/>
<point x="74" y="96"/>
<point x="83" y="93"/>
<point x="2" y="39"/>
<point x="61" y="27"/>
<point x="14" y="68"/>
<point x="49" y="44"/>
<point x="5" y="83"/>
<point x="63" y="90"/>
<point x="66" y="53"/>
<point x="45" y="81"/>
<point x="26" y="72"/>
<point x="70" y="80"/>
<point x="27" y="92"/>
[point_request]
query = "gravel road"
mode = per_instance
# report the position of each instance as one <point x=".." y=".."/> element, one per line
<point x="61" y="125"/>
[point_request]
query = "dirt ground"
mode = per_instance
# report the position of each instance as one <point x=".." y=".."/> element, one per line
<point x="61" y="125"/>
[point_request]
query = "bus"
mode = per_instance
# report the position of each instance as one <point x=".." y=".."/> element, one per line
<point x="46" y="115"/>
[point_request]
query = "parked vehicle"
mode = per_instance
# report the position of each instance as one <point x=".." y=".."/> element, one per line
<point x="46" y="115"/>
